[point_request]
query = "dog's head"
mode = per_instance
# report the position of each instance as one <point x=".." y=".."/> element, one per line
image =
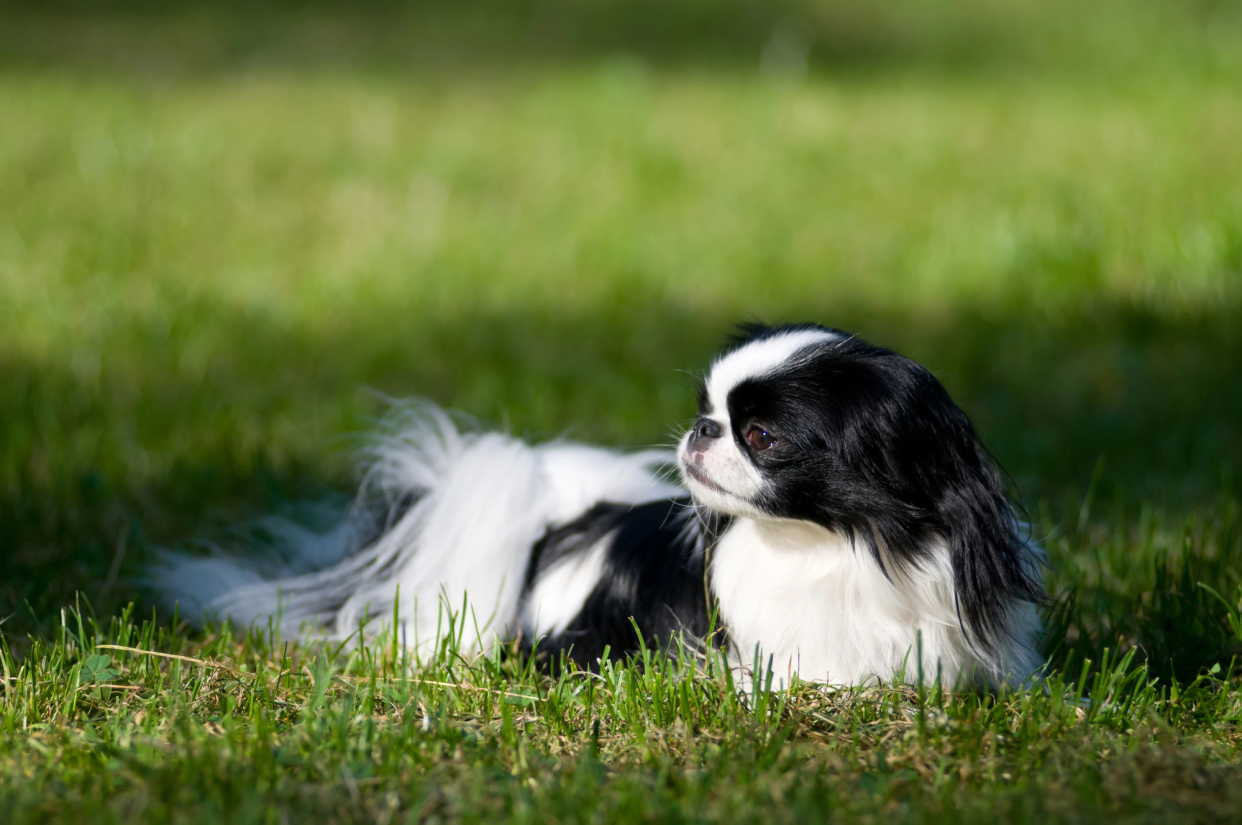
<point x="812" y="424"/>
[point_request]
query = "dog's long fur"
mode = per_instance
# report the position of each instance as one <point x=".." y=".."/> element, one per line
<point x="840" y="512"/>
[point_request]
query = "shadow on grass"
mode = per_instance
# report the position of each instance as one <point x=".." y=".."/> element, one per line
<point x="144" y="447"/>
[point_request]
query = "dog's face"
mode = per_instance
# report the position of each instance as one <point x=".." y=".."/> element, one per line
<point x="754" y="437"/>
<point x="811" y="424"/>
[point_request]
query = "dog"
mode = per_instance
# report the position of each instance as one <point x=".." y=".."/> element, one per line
<point x="837" y="519"/>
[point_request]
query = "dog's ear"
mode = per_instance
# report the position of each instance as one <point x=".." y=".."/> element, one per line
<point x="937" y="480"/>
<point x="994" y="569"/>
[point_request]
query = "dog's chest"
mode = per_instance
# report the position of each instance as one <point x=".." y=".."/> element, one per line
<point x="813" y="604"/>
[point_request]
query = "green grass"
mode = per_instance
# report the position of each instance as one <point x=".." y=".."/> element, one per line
<point x="223" y="225"/>
<point x="265" y="733"/>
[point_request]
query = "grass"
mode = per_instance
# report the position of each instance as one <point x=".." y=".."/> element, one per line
<point x="223" y="224"/>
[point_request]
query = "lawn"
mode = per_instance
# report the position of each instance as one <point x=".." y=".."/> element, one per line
<point x="229" y="231"/>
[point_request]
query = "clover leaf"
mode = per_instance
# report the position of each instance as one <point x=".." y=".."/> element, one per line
<point x="98" y="668"/>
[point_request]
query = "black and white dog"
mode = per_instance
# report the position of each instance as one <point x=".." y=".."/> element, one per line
<point x="841" y="516"/>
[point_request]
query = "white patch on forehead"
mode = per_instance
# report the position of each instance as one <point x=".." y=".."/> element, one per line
<point x="755" y="360"/>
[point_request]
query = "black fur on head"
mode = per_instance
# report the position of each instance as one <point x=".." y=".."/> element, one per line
<point x="868" y="443"/>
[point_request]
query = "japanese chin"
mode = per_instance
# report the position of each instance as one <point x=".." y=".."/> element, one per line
<point x="837" y="518"/>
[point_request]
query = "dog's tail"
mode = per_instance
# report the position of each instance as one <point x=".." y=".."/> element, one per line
<point x="463" y="511"/>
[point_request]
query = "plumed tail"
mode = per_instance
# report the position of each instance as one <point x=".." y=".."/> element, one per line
<point x="460" y="512"/>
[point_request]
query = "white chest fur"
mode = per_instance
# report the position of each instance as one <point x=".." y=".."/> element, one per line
<point x="823" y="609"/>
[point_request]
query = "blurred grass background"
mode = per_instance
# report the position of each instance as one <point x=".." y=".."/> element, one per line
<point x="221" y="223"/>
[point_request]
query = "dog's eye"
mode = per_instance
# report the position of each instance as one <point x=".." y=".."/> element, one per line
<point x="759" y="438"/>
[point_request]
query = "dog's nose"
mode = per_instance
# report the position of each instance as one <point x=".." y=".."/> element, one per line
<point x="705" y="430"/>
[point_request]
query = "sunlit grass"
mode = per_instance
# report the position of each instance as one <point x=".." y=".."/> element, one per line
<point x="135" y="720"/>
<point x="550" y="250"/>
